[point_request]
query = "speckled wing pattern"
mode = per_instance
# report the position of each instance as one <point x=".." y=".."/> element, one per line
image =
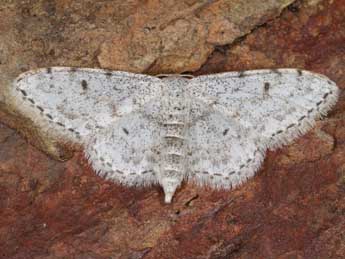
<point x="255" y="110"/>
<point x="125" y="151"/>
<point x="74" y="103"/>
<point x="140" y="130"/>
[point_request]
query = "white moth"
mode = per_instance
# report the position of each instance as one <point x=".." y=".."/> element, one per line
<point x="141" y="130"/>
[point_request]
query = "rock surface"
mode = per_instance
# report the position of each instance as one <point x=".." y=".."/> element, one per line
<point x="293" y="208"/>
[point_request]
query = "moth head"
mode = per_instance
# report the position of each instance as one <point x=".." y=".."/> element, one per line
<point x="174" y="85"/>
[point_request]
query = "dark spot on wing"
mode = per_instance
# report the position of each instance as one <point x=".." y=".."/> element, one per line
<point x="266" y="86"/>
<point x="303" y="117"/>
<point x="23" y="92"/>
<point x="290" y="126"/>
<point x="31" y="101"/>
<point x="84" y="84"/>
<point x="40" y="108"/>
<point x="60" y="124"/>
<point x="49" y="116"/>
<point x="300" y="73"/>
<point x="225" y="132"/>
<point x="49" y="70"/>
<point x="125" y="131"/>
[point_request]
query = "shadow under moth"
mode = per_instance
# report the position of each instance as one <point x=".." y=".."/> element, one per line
<point x="140" y="130"/>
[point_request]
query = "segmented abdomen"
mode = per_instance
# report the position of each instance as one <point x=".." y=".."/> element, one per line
<point x="174" y="151"/>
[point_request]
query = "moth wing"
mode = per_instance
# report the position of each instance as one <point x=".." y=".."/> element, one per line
<point x="277" y="105"/>
<point x="220" y="152"/>
<point x="126" y="151"/>
<point x="75" y="103"/>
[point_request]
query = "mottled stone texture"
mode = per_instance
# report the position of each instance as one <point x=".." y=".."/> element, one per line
<point x="293" y="208"/>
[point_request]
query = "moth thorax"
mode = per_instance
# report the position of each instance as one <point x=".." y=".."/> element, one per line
<point x="175" y="86"/>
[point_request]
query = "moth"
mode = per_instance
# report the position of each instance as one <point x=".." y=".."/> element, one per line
<point x="140" y="130"/>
